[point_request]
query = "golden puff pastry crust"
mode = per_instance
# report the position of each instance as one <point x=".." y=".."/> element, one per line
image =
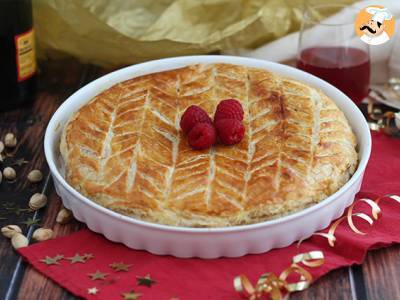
<point x="124" y="149"/>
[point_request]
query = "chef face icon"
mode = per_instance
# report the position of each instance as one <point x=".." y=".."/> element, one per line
<point x="372" y="28"/>
<point x="374" y="25"/>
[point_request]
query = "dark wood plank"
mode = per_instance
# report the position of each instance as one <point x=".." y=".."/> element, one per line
<point x="29" y="124"/>
<point x="33" y="283"/>
<point x="381" y="271"/>
<point x="358" y="282"/>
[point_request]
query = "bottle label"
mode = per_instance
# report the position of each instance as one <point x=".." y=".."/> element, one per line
<point x="25" y="54"/>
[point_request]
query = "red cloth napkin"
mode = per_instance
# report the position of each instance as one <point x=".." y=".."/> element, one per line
<point x="213" y="279"/>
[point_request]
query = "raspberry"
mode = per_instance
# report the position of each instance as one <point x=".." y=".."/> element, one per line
<point x="229" y="109"/>
<point x="202" y="136"/>
<point x="192" y="116"/>
<point x="230" y="131"/>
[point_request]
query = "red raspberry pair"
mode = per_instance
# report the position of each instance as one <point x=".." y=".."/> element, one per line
<point x="227" y="124"/>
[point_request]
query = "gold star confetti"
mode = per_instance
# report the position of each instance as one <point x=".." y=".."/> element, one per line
<point x="131" y="295"/>
<point x="88" y="256"/>
<point x="146" y="281"/>
<point x="98" y="275"/>
<point x="92" y="291"/>
<point x="59" y="257"/>
<point x="77" y="259"/>
<point x="119" y="267"/>
<point x="51" y="260"/>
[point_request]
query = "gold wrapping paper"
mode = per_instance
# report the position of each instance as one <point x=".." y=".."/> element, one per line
<point x="119" y="32"/>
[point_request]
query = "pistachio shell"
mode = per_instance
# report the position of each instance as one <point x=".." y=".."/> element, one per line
<point x="42" y="234"/>
<point x="64" y="216"/>
<point x="35" y="176"/>
<point x="9" y="173"/>
<point x="19" y="240"/>
<point x="10" y="140"/>
<point x="1" y="146"/>
<point x="10" y="230"/>
<point x="37" y="201"/>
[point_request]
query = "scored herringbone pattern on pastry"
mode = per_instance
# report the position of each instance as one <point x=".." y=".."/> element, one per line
<point x="124" y="149"/>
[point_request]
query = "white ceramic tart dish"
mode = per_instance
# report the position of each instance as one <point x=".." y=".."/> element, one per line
<point x="209" y="242"/>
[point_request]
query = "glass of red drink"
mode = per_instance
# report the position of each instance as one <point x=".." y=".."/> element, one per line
<point x="330" y="49"/>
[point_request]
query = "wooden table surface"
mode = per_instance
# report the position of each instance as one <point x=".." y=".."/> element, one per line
<point x="376" y="278"/>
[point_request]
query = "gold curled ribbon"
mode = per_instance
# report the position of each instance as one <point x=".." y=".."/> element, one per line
<point x="310" y="259"/>
<point x="391" y="196"/>
<point x="375" y="211"/>
<point x="304" y="281"/>
<point x="278" y="287"/>
<point x="268" y="283"/>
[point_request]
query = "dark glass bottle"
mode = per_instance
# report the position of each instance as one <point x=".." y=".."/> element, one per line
<point x="17" y="54"/>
